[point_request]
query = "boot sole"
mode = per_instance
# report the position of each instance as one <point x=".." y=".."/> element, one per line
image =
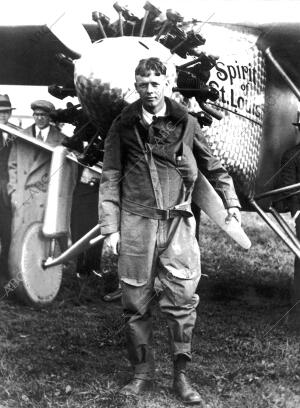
<point x="127" y="393"/>
<point x="200" y="401"/>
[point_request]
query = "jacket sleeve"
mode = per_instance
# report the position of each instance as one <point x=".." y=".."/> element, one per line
<point x="213" y="170"/>
<point x="12" y="170"/>
<point x="109" y="190"/>
<point x="288" y="177"/>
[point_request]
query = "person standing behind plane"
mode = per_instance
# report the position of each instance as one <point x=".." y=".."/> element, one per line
<point x="29" y="166"/>
<point x="290" y="174"/>
<point x="5" y="207"/>
<point x="152" y="152"/>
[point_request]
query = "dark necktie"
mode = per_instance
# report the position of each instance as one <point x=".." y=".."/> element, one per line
<point x="37" y="149"/>
<point x="39" y="136"/>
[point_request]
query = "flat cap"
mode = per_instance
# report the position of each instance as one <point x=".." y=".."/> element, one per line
<point x="44" y="105"/>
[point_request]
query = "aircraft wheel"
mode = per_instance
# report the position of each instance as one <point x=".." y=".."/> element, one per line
<point x="33" y="284"/>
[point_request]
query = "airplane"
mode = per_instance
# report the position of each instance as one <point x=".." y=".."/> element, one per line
<point x="238" y="75"/>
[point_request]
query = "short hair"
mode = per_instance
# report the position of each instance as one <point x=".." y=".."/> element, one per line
<point x="150" y="64"/>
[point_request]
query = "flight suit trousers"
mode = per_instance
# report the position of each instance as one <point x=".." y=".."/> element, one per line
<point x="158" y="259"/>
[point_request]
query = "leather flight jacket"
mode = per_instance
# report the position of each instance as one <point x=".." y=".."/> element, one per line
<point x="151" y="171"/>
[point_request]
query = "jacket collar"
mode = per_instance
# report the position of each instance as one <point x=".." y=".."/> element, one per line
<point x="132" y="113"/>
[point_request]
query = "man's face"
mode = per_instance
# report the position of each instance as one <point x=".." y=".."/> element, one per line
<point x="41" y="118"/>
<point x="151" y="90"/>
<point x="4" y="116"/>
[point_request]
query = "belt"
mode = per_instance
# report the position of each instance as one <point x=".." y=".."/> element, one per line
<point x="180" y="210"/>
<point x="171" y="213"/>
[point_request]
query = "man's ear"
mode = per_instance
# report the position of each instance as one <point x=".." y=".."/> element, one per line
<point x="135" y="85"/>
<point x="168" y="86"/>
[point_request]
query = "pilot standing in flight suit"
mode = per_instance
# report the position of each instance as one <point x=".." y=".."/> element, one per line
<point x="290" y="174"/>
<point x="5" y="207"/>
<point x="152" y="154"/>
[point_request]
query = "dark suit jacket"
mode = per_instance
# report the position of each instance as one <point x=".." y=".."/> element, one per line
<point x="4" y="154"/>
<point x="290" y="174"/>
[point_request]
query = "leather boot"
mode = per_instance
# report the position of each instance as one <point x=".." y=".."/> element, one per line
<point x="136" y="386"/>
<point x="181" y="385"/>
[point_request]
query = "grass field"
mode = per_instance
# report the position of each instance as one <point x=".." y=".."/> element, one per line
<point x="72" y="354"/>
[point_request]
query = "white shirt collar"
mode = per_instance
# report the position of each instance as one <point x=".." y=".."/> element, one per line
<point x="45" y="132"/>
<point x="148" y="117"/>
<point x="4" y="135"/>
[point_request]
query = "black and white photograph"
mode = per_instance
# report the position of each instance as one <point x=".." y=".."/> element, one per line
<point x="150" y="204"/>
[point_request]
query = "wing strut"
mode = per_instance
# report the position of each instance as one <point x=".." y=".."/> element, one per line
<point x="291" y="244"/>
<point x="282" y="72"/>
<point x="283" y="229"/>
<point x="284" y="225"/>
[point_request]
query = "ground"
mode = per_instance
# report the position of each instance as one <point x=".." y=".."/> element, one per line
<point x="246" y="354"/>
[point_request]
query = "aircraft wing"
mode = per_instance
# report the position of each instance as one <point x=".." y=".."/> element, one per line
<point x="28" y="52"/>
<point x="27" y="55"/>
<point x="283" y="39"/>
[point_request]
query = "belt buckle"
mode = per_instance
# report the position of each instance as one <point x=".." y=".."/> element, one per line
<point x="166" y="214"/>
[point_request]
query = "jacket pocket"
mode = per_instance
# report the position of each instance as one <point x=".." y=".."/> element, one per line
<point x="181" y="258"/>
<point x="138" y="239"/>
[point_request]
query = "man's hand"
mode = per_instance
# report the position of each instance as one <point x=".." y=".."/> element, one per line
<point x="233" y="212"/>
<point x="111" y="243"/>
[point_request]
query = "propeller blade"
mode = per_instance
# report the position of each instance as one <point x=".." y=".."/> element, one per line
<point x="206" y="197"/>
<point x="71" y="33"/>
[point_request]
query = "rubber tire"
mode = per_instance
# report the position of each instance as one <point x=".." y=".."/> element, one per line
<point x="30" y="282"/>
